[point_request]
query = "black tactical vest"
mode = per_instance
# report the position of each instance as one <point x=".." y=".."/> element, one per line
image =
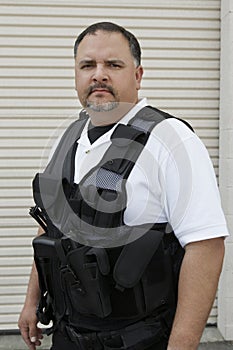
<point x="84" y="282"/>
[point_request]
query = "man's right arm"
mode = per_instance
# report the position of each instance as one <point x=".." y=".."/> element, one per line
<point x="27" y="322"/>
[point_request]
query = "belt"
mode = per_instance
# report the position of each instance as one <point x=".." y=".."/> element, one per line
<point x="137" y="336"/>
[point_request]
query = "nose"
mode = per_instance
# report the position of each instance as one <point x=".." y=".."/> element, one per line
<point x="100" y="74"/>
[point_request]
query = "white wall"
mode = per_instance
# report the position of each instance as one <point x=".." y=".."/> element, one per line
<point x="225" y="319"/>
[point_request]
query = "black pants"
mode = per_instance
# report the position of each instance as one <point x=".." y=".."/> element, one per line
<point x="61" y="342"/>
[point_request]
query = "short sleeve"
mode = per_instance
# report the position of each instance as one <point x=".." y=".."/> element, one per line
<point x="192" y="200"/>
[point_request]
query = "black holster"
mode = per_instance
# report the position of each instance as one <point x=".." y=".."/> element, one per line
<point x="85" y="283"/>
<point x="82" y="277"/>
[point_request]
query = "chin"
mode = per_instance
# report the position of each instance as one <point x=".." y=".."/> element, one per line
<point x="102" y="107"/>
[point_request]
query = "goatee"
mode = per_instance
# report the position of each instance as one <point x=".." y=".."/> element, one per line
<point x="102" y="107"/>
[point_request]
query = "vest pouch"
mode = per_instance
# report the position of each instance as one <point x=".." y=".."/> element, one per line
<point x="85" y="282"/>
<point x="158" y="281"/>
<point x="151" y="277"/>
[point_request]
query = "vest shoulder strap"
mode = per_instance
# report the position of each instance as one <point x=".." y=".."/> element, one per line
<point x="148" y="117"/>
<point x="72" y="134"/>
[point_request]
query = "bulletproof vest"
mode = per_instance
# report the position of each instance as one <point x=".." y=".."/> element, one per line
<point x="96" y="272"/>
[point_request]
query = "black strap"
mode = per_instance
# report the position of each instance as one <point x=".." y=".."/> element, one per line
<point x="137" y="336"/>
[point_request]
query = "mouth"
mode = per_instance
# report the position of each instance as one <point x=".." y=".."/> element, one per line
<point x="100" y="90"/>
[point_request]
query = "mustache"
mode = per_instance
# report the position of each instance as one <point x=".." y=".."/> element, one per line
<point x="100" y="86"/>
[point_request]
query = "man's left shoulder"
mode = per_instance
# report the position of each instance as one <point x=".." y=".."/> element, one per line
<point x="176" y="121"/>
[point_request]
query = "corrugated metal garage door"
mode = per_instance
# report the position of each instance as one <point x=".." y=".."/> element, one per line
<point x="180" y="41"/>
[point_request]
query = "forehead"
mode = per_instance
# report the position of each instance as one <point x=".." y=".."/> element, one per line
<point x="104" y="44"/>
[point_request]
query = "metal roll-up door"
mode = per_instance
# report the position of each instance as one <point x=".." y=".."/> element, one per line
<point x="180" y="42"/>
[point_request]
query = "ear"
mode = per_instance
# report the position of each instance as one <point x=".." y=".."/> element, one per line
<point x="75" y="74"/>
<point x="138" y="76"/>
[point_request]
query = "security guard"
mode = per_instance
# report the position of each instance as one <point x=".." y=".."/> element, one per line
<point x="128" y="206"/>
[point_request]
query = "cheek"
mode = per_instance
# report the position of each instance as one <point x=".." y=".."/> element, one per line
<point x="80" y="85"/>
<point x="128" y="89"/>
<point x="81" y="80"/>
<point x="80" y="91"/>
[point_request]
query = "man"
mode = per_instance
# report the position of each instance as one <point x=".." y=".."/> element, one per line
<point x="171" y="180"/>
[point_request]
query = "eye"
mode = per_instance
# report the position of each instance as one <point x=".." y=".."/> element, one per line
<point x="114" y="65"/>
<point x="86" y="66"/>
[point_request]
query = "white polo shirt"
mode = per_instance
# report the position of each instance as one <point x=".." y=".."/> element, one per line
<point x="172" y="181"/>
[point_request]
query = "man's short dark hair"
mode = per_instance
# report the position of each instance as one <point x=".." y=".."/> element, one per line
<point x="114" y="28"/>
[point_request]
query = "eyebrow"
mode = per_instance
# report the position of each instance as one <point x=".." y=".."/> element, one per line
<point x="85" y="62"/>
<point x="116" y="61"/>
<point x="90" y="61"/>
